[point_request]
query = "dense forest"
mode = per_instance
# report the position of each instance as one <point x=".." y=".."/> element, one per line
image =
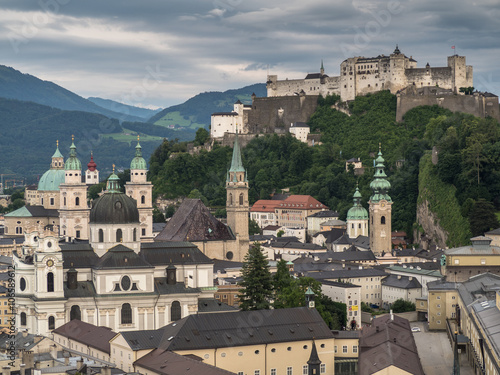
<point x="469" y="161"/>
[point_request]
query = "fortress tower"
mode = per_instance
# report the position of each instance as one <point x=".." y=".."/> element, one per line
<point x="74" y="211"/>
<point x="237" y="206"/>
<point x="380" y="209"/>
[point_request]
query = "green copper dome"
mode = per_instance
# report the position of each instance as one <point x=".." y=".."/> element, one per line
<point x="57" y="154"/>
<point x="357" y="212"/>
<point x="73" y="163"/>
<point x="380" y="185"/>
<point x="51" y="180"/>
<point x="113" y="184"/>
<point x="138" y="162"/>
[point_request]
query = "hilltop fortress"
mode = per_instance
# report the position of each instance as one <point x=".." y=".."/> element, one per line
<point x="291" y="102"/>
<point x="361" y="75"/>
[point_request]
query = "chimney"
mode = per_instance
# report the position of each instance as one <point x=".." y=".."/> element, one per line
<point x="410" y="278"/>
<point x="186" y="281"/>
<point x="72" y="281"/>
<point x="399" y="277"/>
<point x="171" y="275"/>
<point x="25" y="333"/>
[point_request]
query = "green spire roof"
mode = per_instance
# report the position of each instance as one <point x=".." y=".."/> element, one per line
<point x="322" y="65"/>
<point x="357" y="211"/>
<point x="113" y="185"/>
<point x="73" y="163"/>
<point x="57" y="154"/>
<point x="236" y="163"/>
<point x="380" y="185"/>
<point x="138" y="162"/>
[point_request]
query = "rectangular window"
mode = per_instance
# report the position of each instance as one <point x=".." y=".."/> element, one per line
<point x="257" y="372"/>
<point x="242" y="373"/>
<point x="305" y="370"/>
<point x="289" y="371"/>
<point x="344" y="349"/>
<point x="457" y="261"/>
<point x="322" y="368"/>
<point x="354" y="348"/>
<point x="336" y="349"/>
<point x="273" y="371"/>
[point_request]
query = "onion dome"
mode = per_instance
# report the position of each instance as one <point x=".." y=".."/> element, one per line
<point x="397" y="51"/>
<point x="91" y="166"/>
<point x="114" y="207"/>
<point x="138" y="162"/>
<point x="73" y="163"/>
<point x="357" y="211"/>
<point x="380" y="185"/>
<point x="51" y="179"/>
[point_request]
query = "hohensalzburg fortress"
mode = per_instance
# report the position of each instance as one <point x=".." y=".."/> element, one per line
<point x="361" y="75"/>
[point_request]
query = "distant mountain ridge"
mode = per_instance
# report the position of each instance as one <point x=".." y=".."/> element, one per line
<point x="25" y="87"/>
<point x="196" y="112"/>
<point x="126" y="109"/>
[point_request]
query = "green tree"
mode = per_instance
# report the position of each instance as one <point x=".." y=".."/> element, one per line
<point x="158" y="216"/>
<point x="281" y="281"/>
<point x="196" y="194"/>
<point x="482" y="217"/>
<point x="401" y="306"/>
<point x="170" y="211"/>
<point x="201" y="137"/>
<point x="253" y="227"/>
<point x="257" y="284"/>
<point x="280" y="233"/>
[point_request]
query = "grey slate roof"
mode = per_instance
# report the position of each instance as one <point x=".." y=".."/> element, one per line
<point x="296" y="245"/>
<point x="331" y="235"/>
<point x="169" y="363"/>
<point x="401" y="282"/>
<point x="388" y="342"/>
<point x="228" y="329"/>
<point x="325" y="214"/>
<point x="344" y="273"/>
<point x="489" y="318"/>
<point x="352" y="254"/>
<point x="121" y="256"/>
<point x="87" y="334"/>
<point x="493" y="232"/>
<point x="165" y="253"/>
<point x="193" y="222"/>
<point x="78" y="255"/>
<point x="20" y="341"/>
<point x="141" y="340"/>
<point x="208" y="305"/>
<point x="221" y="265"/>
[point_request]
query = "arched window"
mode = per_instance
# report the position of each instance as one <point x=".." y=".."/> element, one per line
<point x="241" y="199"/>
<point x="126" y="313"/>
<point x="65" y="201"/>
<point x="143" y="199"/>
<point x="382" y="220"/>
<point x="135" y="235"/>
<point x="175" y="311"/>
<point x="101" y="235"/>
<point x="50" y="282"/>
<point x="119" y="235"/>
<point x="52" y="322"/>
<point x="75" y="313"/>
<point x="23" y="318"/>
<point x="77" y="201"/>
<point x="230" y="199"/>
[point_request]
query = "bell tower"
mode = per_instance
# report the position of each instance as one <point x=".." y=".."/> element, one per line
<point x="141" y="190"/>
<point x="237" y="199"/>
<point x="380" y="209"/>
<point x="74" y="211"/>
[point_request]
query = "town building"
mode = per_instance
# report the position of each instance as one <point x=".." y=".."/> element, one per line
<point x="228" y="122"/>
<point x="294" y="210"/>
<point x="356" y="164"/>
<point x="263" y="212"/>
<point x="396" y="287"/>
<point x="424" y="273"/>
<point x="314" y="221"/>
<point x="300" y="130"/>
<point x="346" y="293"/>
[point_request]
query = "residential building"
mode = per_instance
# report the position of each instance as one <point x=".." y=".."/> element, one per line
<point x="347" y="293"/>
<point x="263" y="212"/>
<point x="314" y="220"/>
<point x="293" y="211"/>
<point x="396" y="287"/>
<point x="356" y="164"/>
<point x="300" y="130"/>
<point x="424" y="273"/>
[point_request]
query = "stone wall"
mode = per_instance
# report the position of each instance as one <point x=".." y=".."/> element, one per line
<point x="480" y="104"/>
<point x="430" y="224"/>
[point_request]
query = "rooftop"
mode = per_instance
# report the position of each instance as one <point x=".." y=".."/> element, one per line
<point x="87" y="334"/>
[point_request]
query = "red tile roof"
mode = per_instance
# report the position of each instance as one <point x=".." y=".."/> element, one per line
<point x="302" y="202"/>
<point x="265" y="205"/>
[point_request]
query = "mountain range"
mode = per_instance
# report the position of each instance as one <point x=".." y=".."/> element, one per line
<point x="35" y="113"/>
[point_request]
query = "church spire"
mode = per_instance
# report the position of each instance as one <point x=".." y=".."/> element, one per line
<point x="314" y="362"/>
<point x="73" y="163"/>
<point x="236" y="162"/>
<point x="138" y="161"/>
<point x="322" y="69"/>
<point x="380" y="185"/>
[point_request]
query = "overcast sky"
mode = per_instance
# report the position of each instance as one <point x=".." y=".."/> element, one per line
<point x="161" y="52"/>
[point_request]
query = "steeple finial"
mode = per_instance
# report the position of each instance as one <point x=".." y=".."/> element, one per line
<point x="113" y="168"/>
<point x="138" y="137"/>
<point x="72" y="137"/>
<point x="57" y="143"/>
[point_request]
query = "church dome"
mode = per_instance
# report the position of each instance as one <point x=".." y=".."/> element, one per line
<point x="114" y="208"/>
<point x="51" y="180"/>
<point x="73" y="163"/>
<point x="91" y="166"/>
<point x="138" y="161"/>
<point x="357" y="213"/>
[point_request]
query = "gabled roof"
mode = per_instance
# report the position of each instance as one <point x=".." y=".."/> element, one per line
<point x="331" y="235"/>
<point x="33" y="211"/>
<point x="302" y="202"/>
<point x="171" y="252"/>
<point x="119" y="257"/>
<point x="211" y="305"/>
<point x="142" y="340"/>
<point x="230" y="329"/>
<point x="87" y="334"/>
<point x="193" y="222"/>
<point x="165" y="362"/>
<point x="265" y="205"/>
<point x="325" y="214"/>
<point x="401" y="282"/>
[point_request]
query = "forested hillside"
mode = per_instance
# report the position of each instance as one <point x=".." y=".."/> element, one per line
<point x="469" y="159"/>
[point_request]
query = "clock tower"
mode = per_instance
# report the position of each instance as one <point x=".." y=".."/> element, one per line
<point x="380" y="209"/>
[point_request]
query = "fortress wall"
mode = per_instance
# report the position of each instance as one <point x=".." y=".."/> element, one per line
<point x="280" y="111"/>
<point x="290" y="87"/>
<point x="473" y="104"/>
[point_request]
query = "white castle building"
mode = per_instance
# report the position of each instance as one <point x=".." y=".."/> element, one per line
<point x="362" y="75"/>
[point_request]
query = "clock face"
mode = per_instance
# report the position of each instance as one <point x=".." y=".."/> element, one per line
<point x="50" y="263"/>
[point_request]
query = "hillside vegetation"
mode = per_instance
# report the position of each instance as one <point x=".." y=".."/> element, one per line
<point x="469" y="160"/>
